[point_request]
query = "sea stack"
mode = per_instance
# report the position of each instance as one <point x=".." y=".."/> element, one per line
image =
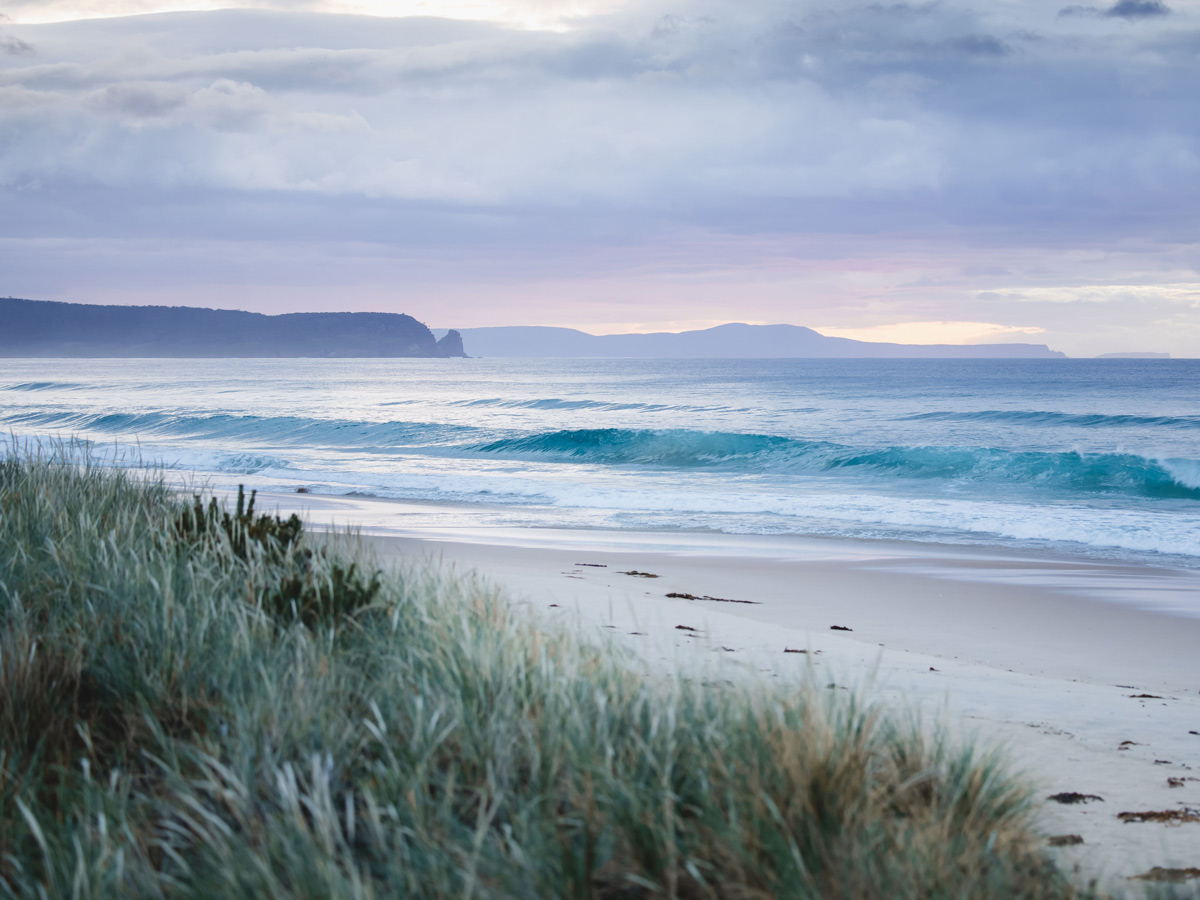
<point x="451" y="344"/>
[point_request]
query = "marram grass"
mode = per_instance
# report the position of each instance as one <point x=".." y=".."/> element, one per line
<point x="201" y="702"/>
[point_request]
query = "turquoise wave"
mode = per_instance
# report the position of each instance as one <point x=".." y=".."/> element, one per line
<point x="1091" y="473"/>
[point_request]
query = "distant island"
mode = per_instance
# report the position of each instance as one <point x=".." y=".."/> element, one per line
<point x="44" y="328"/>
<point x="733" y="341"/>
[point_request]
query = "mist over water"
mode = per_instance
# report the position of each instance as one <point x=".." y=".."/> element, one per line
<point x="1080" y="456"/>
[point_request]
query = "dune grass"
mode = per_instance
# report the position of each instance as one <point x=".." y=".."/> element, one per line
<point x="202" y="702"/>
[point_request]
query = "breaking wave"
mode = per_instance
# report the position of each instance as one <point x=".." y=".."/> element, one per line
<point x="1090" y="473"/>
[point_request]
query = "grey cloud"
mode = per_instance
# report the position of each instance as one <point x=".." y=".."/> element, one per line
<point x="139" y="100"/>
<point x="904" y="10"/>
<point x="1124" y="9"/>
<point x="14" y="46"/>
<point x="981" y="45"/>
<point x="1138" y="9"/>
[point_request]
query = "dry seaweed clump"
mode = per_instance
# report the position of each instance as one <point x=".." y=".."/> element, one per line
<point x="196" y="703"/>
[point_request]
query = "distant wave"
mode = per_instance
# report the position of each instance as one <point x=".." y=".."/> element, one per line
<point x="1103" y="473"/>
<point x="282" y="429"/>
<point x="612" y="406"/>
<point x="43" y="386"/>
<point x="1041" y="417"/>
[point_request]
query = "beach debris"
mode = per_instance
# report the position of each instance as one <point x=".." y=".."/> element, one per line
<point x="1065" y="840"/>
<point x="685" y="628"/>
<point x="1175" y="782"/>
<point x="1166" y="816"/>
<point x="1162" y="762"/>
<point x="641" y="633"/>
<point x="592" y="565"/>
<point x="552" y="605"/>
<point x="793" y="650"/>
<point x="729" y="650"/>
<point x="1124" y="744"/>
<point x="1194" y="732"/>
<point x="1074" y="797"/>
<point x="1158" y="873"/>
<point x="932" y="669"/>
<point x="637" y="574"/>
<point x="1145" y="696"/>
<point x="303" y="490"/>
<point x="839" y="628"/>
<point x="679" y="595"/>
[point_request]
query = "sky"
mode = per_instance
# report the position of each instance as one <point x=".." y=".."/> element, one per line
<point x="921" y="172"/>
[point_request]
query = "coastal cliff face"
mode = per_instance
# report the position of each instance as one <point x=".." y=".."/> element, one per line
<point x="43" y="328"/>
<point x="451" y="344"/>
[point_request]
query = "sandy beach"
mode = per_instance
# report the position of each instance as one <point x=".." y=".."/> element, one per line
<point x="1087" y="672"/>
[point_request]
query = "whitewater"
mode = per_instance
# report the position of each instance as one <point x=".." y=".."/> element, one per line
<point x="1098" y="458"/>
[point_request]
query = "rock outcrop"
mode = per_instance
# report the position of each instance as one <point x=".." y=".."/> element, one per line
<point x="451" y="344"/>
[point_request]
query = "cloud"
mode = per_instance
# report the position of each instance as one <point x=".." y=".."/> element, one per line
<point x="1138" y="9"/>
<point x="758" y="117"/>
<point x="138" y="100"/>
<point x="14" y="46"/>
<point x="1187" y="294"/>
<point x="937" y="332"/>
<point x="1124" y="9"/>
<point x="524" y="13"/>
<point x="11" y="45"/>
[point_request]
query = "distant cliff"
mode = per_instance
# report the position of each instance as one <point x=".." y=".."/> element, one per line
<point x="725" y="341"/>
<point x="41" y="328"/>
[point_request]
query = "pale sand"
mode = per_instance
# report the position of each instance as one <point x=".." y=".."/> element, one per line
<point x="1041" y="655"/>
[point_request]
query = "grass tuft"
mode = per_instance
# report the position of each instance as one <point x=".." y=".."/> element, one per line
<point x="200" y="701"/>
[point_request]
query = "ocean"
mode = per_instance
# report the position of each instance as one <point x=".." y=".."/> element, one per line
<point x="1094" y="458"/>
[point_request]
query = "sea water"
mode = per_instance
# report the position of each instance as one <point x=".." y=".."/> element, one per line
<point x="1090" y="457"/>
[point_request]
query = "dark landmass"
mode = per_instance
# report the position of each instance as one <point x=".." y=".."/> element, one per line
<point x="1140" y="355"/>
<point x="43" y="328"/>
<point x="725" y="341"/>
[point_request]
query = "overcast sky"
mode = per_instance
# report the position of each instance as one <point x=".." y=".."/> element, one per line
<point x="943" y="171"/>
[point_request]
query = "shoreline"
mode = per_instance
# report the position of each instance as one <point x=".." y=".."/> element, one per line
<point x="1043" y="656"/>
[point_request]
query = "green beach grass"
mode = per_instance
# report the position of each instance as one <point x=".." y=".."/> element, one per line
<point x="200" y="701"/>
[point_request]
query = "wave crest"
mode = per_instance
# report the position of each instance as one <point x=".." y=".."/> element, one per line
<point x="1091" y="473"/>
